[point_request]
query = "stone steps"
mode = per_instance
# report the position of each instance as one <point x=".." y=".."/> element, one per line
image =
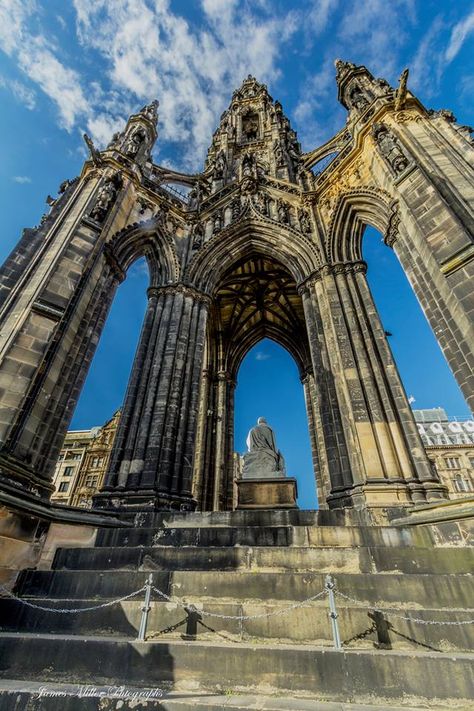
<point x="296" y="558"/>
<point x="17" y="695"/>
<point x="249" y="563"/>
<point x="329" y="675"/>
<point x="419" y="591"/>
<point x="359" y="628"/>
<point x="323" y="536"/>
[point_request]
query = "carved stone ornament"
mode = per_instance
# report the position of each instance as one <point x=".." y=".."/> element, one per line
<point x="197" y="235"/>
<point x="283" y="212"/>
<point x="151" y="111"/>
<point x="106" y="197"/>
<point x="305" y="223"/>
<point x="407" y="116"/>
<point x="390" y="148"/>
<point x="134" y="141"/>
<point x="391" y="233"/>
<point x="260" y="200"/>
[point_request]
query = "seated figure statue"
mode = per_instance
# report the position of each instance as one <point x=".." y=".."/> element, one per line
<point x="263" y="460"/>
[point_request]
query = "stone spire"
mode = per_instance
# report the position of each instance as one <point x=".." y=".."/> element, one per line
<point x="254" y="129"/>
<point x="357" y="87"/>
<point x="140" y="134"/>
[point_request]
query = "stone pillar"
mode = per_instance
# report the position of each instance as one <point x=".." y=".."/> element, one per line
<point x="200" y="468"/>
<point x="332" y="443"/>
<point x="52" y="313"/>
<point x="388" y="465"/>
<point x="323" y="485"/>
<point x="152" y="461"/>
<point x="402" y="436"/>
<point x="223" y="468"/>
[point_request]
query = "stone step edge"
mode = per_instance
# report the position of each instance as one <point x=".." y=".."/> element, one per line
<point x="233" y="701"/>
<point x="304" y="648"/>
<point x="278" y="546"/>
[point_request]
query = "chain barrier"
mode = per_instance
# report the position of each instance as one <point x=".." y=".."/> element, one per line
<point x="205" y="613"/>
<point x="9" y="594"/>
<point x="389" y="613"/>
<point x="330" y="587"/>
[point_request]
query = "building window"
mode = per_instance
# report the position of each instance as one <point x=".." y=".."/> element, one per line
<point x="73" y="455"/>
<point x="91" y="482"/>
<point x="68" y="471"/>
<point x="471" y="462"/>
<point x="452" y="462"/>
<point x="64" y="486"/>
<point x="97" y="462"/>
<point x="461" y="484"/>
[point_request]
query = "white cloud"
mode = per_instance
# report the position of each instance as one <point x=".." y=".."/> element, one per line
<point x="21" y="179"/>
<point x="459" y="34"/>
<point x="36" y="59"/>
<point x="426" y="66"/>
<point x="60" y="83"/>
<point x="262" y="356"/>
<point x="152" y="52"/>
<point x="22" y="93"/>
<point x="320" y="15"/>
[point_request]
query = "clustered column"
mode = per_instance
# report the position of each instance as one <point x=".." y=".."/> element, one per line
<point x="374" y="454"/>
<point x="152" y="461"/>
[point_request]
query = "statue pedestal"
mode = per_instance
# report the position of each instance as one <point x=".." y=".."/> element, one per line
<point x="277" y="493"/>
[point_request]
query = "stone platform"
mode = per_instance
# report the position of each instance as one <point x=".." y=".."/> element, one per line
<point x="261" y="494"/>
<point x="249" y="564"/>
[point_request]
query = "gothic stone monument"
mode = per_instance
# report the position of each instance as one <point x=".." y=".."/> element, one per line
<point x="267" y="244"/>
<point x="264" y="484"/>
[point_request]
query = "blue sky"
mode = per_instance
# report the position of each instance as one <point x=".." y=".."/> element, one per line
<point x="66" y="68"/>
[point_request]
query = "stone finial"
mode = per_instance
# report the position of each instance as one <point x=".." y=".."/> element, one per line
<point x="342" y="67"/>
<point x="151" y="111"/>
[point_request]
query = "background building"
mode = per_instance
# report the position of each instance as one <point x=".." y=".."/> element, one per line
<point x="83" y="462"/>
<point x="450" y="448"/>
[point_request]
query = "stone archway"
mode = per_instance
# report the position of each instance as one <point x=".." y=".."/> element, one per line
<point x="256" y="298"/>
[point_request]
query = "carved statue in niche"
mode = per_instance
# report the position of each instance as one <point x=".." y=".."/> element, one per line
<point x="105" y="197"/>
<point x="261" y="203"/>
<point x="134" y="141"/>
<point x="236" y="207"/>
<point x="390" y="148"/>
<point x="283" y="212"/>
<point x="278" y="153"/>
<point x="305" y="224"/>
<point x="250" y="126"/>
<point x="217" y="224"/>
<point x="219" y="167"/>
<point x="357" y="99"/>
<point x="249" y="174"/>
<point x="198" y="235"/>
<point x="200" y="192"/>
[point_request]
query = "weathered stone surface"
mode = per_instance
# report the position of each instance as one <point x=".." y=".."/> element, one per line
<point x="261" y="248"/>
<point x="268" y="493"/>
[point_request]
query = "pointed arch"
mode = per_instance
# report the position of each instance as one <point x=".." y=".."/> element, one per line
<point x="353" y="212"/>
<point x="252" y="235"/>
<point x="148" y="239"/>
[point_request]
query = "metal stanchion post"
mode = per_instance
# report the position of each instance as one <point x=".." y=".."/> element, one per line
<point x="145" y="609"/>
<point x="330" y="585"/>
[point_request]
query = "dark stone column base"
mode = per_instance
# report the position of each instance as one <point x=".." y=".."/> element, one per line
<point x="126" y="501"/>
<point x="16" y="475"/>
<point x="278" y="493"/>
